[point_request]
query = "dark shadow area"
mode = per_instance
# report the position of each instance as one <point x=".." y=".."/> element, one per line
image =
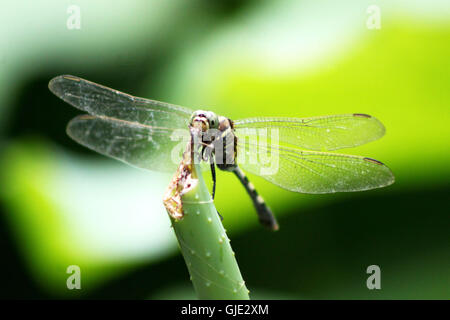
<point x="324" y="253"/>
<point x="226" y="8"/>
<point x="17" y="282"/>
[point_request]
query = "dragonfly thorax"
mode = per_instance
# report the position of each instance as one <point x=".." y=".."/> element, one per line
<point x="214" y="136"/>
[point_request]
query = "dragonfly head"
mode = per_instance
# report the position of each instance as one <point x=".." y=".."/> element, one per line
<point x="204" y="120"/>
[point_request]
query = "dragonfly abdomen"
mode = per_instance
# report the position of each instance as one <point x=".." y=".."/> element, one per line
<point x="265" y="215"/>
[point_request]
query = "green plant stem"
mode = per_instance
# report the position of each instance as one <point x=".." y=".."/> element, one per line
<point x="206" y="248"/>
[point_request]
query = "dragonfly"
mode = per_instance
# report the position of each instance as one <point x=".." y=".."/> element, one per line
<point x="140" y="132"/>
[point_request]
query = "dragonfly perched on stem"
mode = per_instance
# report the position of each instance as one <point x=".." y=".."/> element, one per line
<point x="292" y="153"/>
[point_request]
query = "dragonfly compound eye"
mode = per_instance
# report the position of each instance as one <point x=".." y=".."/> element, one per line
<point x="213" y="120"/>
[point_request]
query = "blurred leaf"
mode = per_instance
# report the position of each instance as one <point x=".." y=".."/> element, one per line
<point x="102" y="216"/>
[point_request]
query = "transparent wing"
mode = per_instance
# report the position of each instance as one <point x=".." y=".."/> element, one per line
<point x="324" y="133"/>
<point x="313" y="172"/>
<point x="99" y="100"/>
<point x="148" y="147"/>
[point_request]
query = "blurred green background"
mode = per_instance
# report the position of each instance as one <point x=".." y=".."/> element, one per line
<point x="61" y="204"/>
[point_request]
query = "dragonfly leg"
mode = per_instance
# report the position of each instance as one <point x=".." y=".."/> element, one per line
<point x="192" y="147"/>
<point x="266" y="217"/>
<point x="220" y="216"/>
<point x="207" y="153"/>
<point x="213" y="174"/>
